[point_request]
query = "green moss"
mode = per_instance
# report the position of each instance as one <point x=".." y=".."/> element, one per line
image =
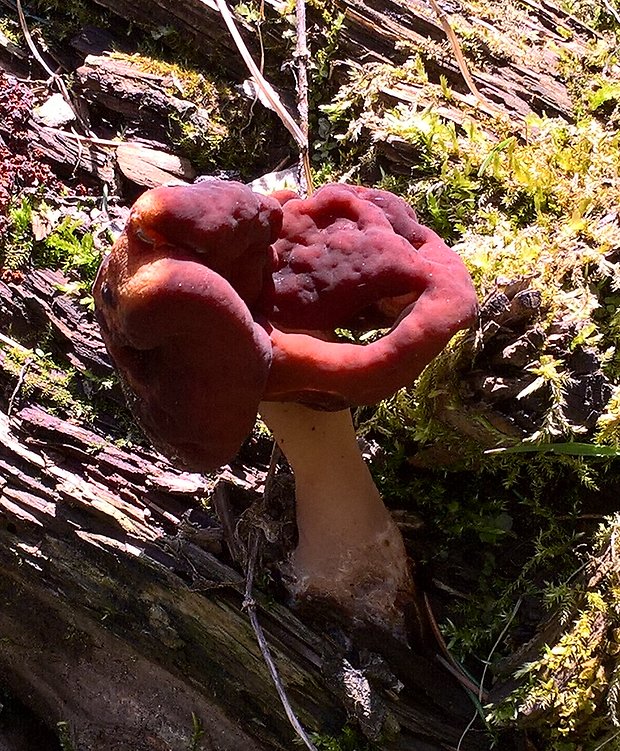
<point x="62" y="20"/>
<point x="488" y="523"/>
<point x="183" y="79"/>
<point x="609" y="423"/>
<point x="348" y="740"/>
<point x="575" y="684"/>
<point x="66" y="247"/>
<point x="41" y="378"/>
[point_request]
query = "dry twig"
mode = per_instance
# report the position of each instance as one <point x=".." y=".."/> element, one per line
<point x="20" y="382"/>
<point x="249" y="604"/>
<point x="265" y="87"/>
<point x="52" y="74"/>
<point x="302" y="56"/>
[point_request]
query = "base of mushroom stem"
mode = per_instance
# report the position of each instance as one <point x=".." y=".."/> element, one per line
<point x="371" y="585"/>
<point x="350" y="551"/>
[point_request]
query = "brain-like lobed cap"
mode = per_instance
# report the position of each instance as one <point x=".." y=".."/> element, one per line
<point x="172" y="302"/>
<point x="216" y="298"/>
<point x="357" y="258"/>
<point x="220" y="224"/>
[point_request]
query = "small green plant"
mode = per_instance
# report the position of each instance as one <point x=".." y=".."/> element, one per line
<point x="16" y="242"/>
<point x="348" y="740"/>
<point x="575" y="683"/>
<point x="65" y="736"/>
<point x="197" y="733"/>
<point x="67" y="247"/>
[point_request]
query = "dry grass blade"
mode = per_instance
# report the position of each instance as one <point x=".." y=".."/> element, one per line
<point x="460" y="59"/>
<point x="250" y="606"/>
<point x="265" y="87"/>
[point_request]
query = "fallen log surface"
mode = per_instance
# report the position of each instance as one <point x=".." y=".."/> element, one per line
<point x="121" y="616"/>
<point x="519" y="81"/>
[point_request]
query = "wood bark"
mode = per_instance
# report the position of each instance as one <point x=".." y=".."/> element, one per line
<point x="519" y="81"/>
<point x="118" y="615"/>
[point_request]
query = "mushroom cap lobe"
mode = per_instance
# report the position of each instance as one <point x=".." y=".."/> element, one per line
<point x="194" y="361"/>
<point x="356" y="257"/>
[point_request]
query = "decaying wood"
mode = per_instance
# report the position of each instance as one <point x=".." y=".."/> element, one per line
<point x="121" y="617"/>
<point x="524" y="80"/>
<point x="152" y="167"/>
<point x="145" y="104"/>
<point x="152" y="101"/>
<point x="121" y="594"/>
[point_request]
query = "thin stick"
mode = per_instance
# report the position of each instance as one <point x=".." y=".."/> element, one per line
<point x="85" y="139"/>
<point x="4" y="339"/>
<point x="446" y="659"/>
<point x="615" y="14"/>
<point x="460" y="59"/>
<point x="30" y="42"/>
<point x="302" y="56"/>
<point x="52" y="74"/>
<point x="265" y="87"/>
<point x="249" y="605"/>
<point x="20" y="382"/>
<point x="607" y="740"/>
<point x="276" y="454"/>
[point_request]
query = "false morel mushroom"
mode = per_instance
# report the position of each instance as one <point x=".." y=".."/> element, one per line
<point x="172" y="302"/>
<point x="217" y="303"/>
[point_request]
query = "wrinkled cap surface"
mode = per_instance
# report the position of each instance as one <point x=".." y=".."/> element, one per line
<point x="357" y="258"/>
<point x="219" y="224"/>
<point x="172" y="302"/>
<point x="216" y="298"/>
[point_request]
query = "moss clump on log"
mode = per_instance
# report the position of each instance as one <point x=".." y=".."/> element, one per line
<point x="570" y="685"/>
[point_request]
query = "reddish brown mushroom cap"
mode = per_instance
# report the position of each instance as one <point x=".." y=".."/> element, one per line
<point x="221" y="224"/>
<point x="194" y="361"/>
<point x="216" y="298"/>
<point x="354" y="257"/>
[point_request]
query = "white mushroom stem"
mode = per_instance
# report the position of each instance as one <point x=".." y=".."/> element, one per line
<point x="350" y="549"/>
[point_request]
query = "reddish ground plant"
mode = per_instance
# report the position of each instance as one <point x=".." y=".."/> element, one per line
<point x="21" y="167"/>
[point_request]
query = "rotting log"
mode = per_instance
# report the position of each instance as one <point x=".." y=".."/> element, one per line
<point x="98" y="556"/>
<point x="521" y="80"/>
<point x="122" y="615"/>
<point x="517" y="76"/>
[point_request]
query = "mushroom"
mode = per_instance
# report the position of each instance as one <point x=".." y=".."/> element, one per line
<point x="172" y="300"/>
<point x="356" y="258"/>
<point x="279" y="275"/>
